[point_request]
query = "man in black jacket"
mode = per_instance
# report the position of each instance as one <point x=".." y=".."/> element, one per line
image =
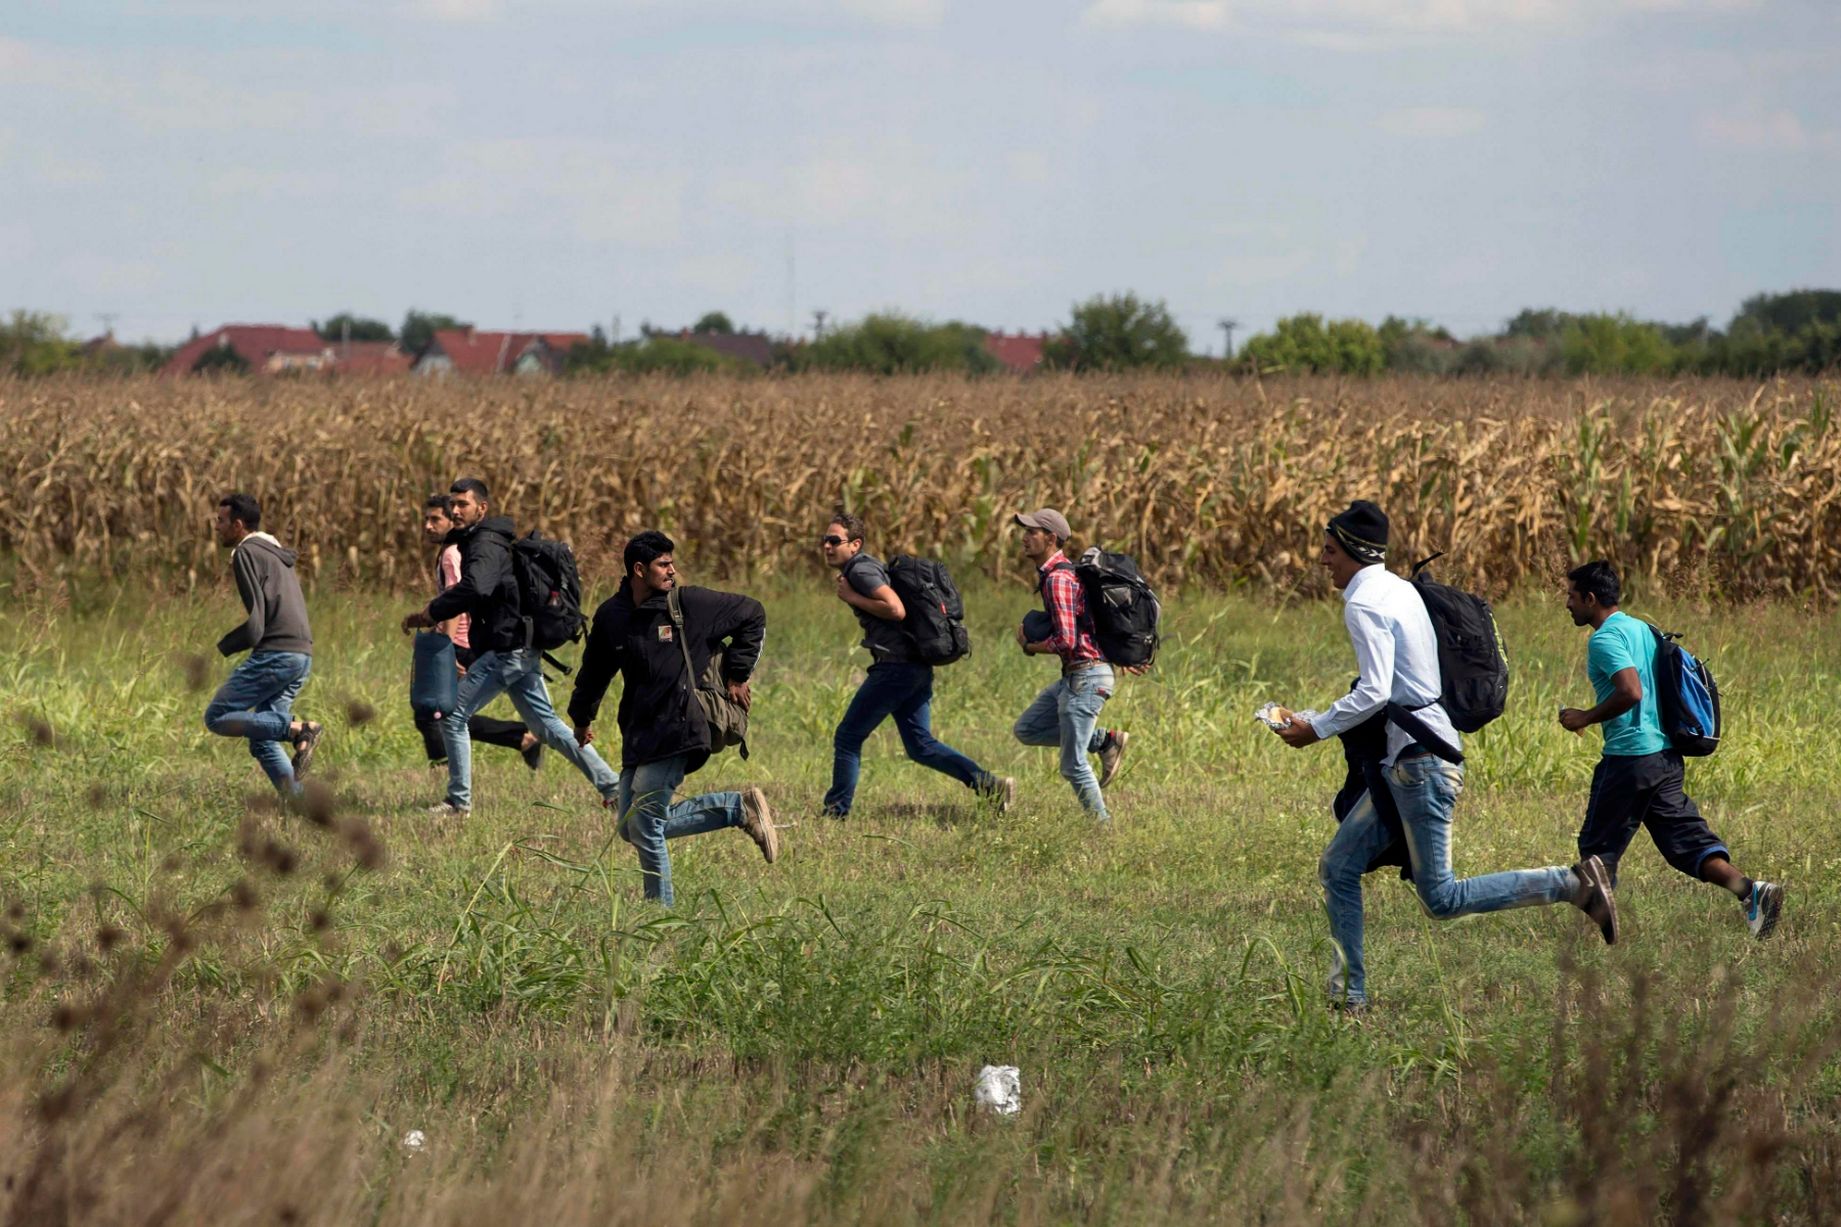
<point x="664" y="735"/>
<point x="488" y="594"/>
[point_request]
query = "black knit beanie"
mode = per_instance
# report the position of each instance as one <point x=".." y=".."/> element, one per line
<point x="1361" y="531"/>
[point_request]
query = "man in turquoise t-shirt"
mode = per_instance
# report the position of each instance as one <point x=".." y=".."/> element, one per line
<point x="1639" y="779"/>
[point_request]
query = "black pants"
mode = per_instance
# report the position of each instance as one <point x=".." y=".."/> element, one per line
<point x="1645" y="790"/>
<point x="509" y="733"/>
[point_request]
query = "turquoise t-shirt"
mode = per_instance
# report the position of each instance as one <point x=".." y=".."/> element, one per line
<point x="1625" y="643"/>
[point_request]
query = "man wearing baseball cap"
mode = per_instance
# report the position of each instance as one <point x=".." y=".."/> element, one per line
<point x="1396" y="650"/>
<point x="1067" y="713"/>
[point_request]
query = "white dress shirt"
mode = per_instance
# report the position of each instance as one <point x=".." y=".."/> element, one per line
<point x="1396" y="651"/>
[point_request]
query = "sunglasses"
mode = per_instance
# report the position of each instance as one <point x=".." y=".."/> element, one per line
<point x="831" y="539"/>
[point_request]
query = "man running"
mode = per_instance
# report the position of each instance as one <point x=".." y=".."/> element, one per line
<point x="899" y="683"/>
<point x="664" y="735"/>
<point x="1396" y="652"/>
<point x="256" y="701"/>
<point x="1638" y="781"/>
<point x="1066" y="714"/>
<point x="488" y="594"/>
<point x="437" y="524"/>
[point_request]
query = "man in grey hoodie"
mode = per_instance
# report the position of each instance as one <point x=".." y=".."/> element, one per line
<point x="257" y="699"/>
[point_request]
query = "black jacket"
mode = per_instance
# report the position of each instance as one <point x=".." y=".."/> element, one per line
<point x="658" y="717"/>
<point x="487" y="592"/>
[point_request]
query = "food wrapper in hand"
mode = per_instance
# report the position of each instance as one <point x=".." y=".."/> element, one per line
<point x="1272" y="716"/>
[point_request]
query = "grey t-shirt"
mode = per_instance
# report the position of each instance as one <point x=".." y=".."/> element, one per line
<point x="884" y="639"/>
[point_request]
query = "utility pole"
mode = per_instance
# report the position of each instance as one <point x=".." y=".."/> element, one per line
<point x="818" y="324"/>
<point x="108" y="319"/>
<point x="1227" y="327"/>
<point x="616" y="332"/>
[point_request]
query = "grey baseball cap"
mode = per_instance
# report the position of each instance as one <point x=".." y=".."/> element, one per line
<point x="1047" y="518"/>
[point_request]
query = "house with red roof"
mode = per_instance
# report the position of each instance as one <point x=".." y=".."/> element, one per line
<point x="1021" y="352"/>
<point x="471" y="351"/>
<point x="264" y="349"/>
<point x="370" y="358"/>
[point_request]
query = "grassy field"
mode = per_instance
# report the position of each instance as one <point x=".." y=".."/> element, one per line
<point x="217" y="1012"/>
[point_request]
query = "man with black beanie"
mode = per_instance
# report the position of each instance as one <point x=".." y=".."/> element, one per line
<point x="1396" y="650"/>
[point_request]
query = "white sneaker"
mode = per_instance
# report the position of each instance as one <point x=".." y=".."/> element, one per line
<point x="1763" y="909"/>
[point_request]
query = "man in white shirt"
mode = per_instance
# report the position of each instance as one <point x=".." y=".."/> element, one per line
<point x="1396" y="650"/>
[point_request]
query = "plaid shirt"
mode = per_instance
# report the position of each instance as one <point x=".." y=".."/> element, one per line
<point x="1066" y="602"/>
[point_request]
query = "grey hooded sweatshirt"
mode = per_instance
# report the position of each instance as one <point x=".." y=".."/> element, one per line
<point x="264" y="570"/>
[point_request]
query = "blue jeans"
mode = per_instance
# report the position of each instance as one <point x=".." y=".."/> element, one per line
<point x="904" y="691"/>
<point x="1067" y="715"/>
<point x="1425" y="789"/>
<point x="649" y="817"/>
<point x="517" y="675"/>
<point x="257" y="701"/>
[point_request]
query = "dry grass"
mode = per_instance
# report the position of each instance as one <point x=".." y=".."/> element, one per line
<point x="1717" y="487"/>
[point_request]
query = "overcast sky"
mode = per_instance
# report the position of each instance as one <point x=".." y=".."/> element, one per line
<point x="553" y="163"/>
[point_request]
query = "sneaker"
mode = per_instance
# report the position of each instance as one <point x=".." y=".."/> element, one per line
<point x="1595" y="898"/>
<point x="1112" y="755"/>
<point x="1763" y="909"/>
<point x="304" y="746"/>
<point x="1004" y="795"/>
<point x="445" y="810"/>
<point x="757" y="820"/>
<point x="533" y="757"/>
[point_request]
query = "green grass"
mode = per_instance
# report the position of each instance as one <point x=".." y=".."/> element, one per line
<point x="799" y="1041"/>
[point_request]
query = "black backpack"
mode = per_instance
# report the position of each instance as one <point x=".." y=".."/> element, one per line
<point x="549" y="592"/>
<point x="1473" y="666"/>
<point x="935" y="618"/>
<point x="1687" y="698"/>
<point x="1123" y="608"/>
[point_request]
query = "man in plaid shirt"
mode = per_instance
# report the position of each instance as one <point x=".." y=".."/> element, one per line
<point x="1067" y="713"/>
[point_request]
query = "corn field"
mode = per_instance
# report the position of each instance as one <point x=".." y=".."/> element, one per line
<point x="1719" y="488"/>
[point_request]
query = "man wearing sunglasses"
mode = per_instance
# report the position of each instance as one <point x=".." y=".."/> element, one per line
<point x="899" y="683"/>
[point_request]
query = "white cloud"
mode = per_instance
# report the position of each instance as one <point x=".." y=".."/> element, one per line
<point x="1432" y="122"/>
<point x="1765" y="129"/>
<point x="597" y="191"/>
<point x="1189" y="14"/>
<point x="461" y="11"/>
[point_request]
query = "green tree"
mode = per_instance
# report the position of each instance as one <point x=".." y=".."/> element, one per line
<point x="893" y="344"/>
<point x="419" y="328"/>
<point x="1115" y="332"/>
<point x="1305" y="342"/>
<point x="362" y="329"/>
<point x="714" y="321"/>
<point x="34" y="343"/>
<point x="1614" y="345"/>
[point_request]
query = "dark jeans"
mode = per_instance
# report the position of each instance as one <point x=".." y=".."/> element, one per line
<point x="904" y="691"/>
<point x="508" y="733"/>
<point x="1629" y="791"/>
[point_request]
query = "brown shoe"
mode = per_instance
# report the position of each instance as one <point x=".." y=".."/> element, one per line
<point x="1112" y="755"/>
<point x="757" y="820"/>
<point x="1595" y="898"/>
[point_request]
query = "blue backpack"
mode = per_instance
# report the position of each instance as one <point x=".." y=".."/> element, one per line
<point x="1687" y="697"/>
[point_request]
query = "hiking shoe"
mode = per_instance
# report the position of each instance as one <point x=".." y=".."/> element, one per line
<point x="757" y="820"/>
<point x="445" y="810"/>
<point x="1595" y="898"/>
<point x="304" y="746"/>
<point x="533" y="757"/>
<point x="1763" y="909"/>
<point x="1112" y="755"/>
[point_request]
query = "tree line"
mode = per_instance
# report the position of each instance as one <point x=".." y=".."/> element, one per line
<point x="1797" y="331"/>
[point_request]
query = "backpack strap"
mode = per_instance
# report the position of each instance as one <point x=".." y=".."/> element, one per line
<point x="675" y="608"/>
<point x="1423" y="563"/>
